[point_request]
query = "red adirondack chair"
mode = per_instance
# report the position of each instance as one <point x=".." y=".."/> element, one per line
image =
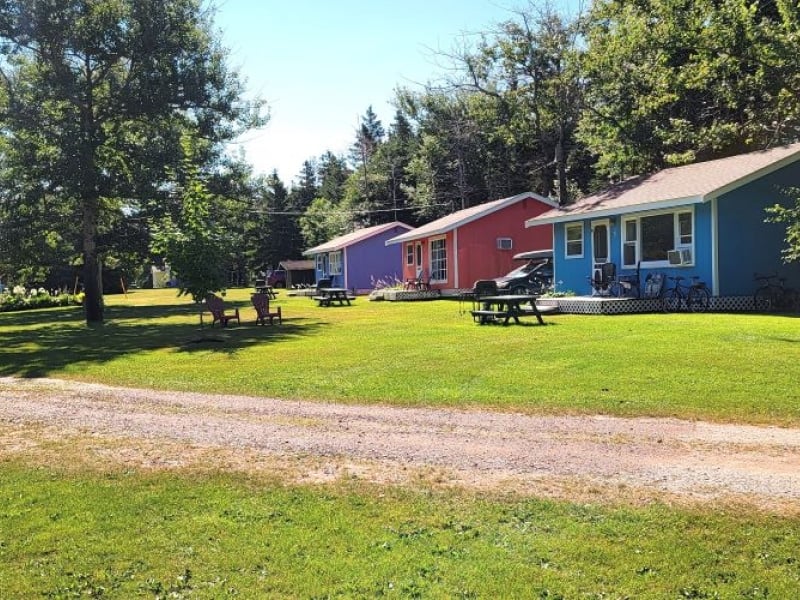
<point x="216" y="307"/>
<point x="263" y="314"/>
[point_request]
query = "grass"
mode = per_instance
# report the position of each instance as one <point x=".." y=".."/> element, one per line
<point x="98" y="530"/>
<point x="122" y="534"/>
<point x="724" y="367"/>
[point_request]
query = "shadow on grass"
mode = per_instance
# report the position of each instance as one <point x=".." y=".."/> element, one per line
<point x="43" y="342"/>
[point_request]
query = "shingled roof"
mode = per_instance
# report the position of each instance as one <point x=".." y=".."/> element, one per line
<point x="678" y="186"/>
<point x="348" y="239"/>
<point x="464" y="216"/>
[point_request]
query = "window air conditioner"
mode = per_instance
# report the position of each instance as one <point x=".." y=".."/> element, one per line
<point x="679" y="257"/>
<point x="504" y="243"/>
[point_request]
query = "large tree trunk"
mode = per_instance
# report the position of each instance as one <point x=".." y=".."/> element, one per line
<point x="90" y="198"/>
<point x="92" y="281"/>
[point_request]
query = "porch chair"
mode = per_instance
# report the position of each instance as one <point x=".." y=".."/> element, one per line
<point x="630" y="285"/>
<point x="419" y="282"/>
<point x="216" y="307"/>
<point x="653" y="285"/>
<point x="263" y="313"/>
<point x="602" y="278"/>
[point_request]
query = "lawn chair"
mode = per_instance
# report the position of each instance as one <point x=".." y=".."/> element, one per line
<point x="263" y="313"/>
<point x="216" y="307"/>
<point x="630" y="285"/>
<point x="653" y="285"/>
<point x="324" y="283"/>
<point x="419" y="282"/>
<point x="603" y="276"/>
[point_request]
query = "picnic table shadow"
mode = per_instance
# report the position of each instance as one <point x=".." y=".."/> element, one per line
<point x="43" y="342"/>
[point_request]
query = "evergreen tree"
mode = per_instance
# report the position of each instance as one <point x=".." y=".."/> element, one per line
<point x="332" y="173"/>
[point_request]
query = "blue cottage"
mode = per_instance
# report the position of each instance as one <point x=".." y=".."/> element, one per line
<point x="703" y="220"/>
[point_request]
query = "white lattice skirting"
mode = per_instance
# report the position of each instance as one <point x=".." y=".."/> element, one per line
<point x="596" y="305"/>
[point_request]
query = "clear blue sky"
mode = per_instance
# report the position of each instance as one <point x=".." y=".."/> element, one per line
<point x="320" y="63"/>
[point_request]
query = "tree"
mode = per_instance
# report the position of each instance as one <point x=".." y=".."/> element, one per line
<point x="527" y="73"/>
<point x="790" y="215"/>
<point x="96" y="95"/>
<point x="323" y="221"/>
<point x="676" y="81"/>
<point x="332" y="173"/>
<point x="195" y="244"/>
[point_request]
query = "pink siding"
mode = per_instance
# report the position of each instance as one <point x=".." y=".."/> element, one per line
<point x="478" y="255"/>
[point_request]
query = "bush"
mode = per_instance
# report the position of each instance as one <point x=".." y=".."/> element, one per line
<point x="21" y="299"/>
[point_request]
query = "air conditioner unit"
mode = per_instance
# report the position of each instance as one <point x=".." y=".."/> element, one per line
<point x="504" y="243"/>
<point x="682" y="256"/>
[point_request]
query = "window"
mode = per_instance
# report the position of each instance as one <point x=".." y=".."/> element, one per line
<point x="685" y="229"/>
<point x="574" y="233"/>
<point x="409" y="254"/>
<point x="321" y="264"/>
<point x="650" y="238"/>
<point x="419" y="254"/>
<point x="658" y="237"/>
<point x="504" y="243"/>
<point x="438" y="260"/>
<point x="630" y="231"/>
<point x="336" y="262"/>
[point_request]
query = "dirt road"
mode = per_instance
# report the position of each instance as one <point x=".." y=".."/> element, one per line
<point x="577" y="457"/>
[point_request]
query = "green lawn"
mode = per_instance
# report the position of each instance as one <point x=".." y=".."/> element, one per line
<point x="712" y="366"/>
<point x="124" y="535"/>
<point x="115" y="532"/>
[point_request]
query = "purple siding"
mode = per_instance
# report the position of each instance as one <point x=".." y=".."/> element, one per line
<point x="371" y="259"/>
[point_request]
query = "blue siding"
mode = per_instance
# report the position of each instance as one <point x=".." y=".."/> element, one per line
<point x="746" y="243"/>
<point x="572" y="274"/>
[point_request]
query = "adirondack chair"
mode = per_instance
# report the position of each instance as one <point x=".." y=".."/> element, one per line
<point x="216" y="307"/>
<point x="263" y="314"/>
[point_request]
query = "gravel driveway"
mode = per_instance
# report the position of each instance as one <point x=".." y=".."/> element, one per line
<point x="577" y="457"/>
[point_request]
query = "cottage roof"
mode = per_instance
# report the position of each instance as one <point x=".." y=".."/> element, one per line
<point x="348" y="239"/>
<point x="296" y="265"/>
<point x="464" y="216"/>
<point x="688" y="184"/>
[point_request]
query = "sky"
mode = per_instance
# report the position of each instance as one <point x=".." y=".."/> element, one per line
<point x="319" y="64"/>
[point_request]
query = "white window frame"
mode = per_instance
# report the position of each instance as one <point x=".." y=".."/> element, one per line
<point x="410" y="254"/>
<point x="685" y="242"/>
<point x="320" y="260"/>
<point x="573" y="226"/>
<point x="434" y="242"/>
<point x="335" y="262"/>
<point x="505" y="243"/>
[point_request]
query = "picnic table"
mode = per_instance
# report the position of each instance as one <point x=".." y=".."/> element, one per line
<point x="263" y="288"/>
<point x="328" y="295"/>
<point x="504" y="307"/>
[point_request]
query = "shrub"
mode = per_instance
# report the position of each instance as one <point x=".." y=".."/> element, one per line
<point x="21" y="299"/>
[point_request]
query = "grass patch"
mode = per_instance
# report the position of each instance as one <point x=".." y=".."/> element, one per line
<point x="722" y="367"/>
<point x="122" y="534"/>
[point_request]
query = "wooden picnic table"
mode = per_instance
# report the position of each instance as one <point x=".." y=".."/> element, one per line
<point x="504" y="307"/>
<point x="266" y="289"/>
<point x="328" y="295"/>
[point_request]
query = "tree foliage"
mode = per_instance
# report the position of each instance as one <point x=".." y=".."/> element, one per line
<point x="195" y="244"/>
<point x="676" y="81"/>
<point x="96" y="95"/>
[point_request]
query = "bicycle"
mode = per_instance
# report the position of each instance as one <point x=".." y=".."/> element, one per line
<point x="695" y="296"/>
<point x="773" y="295"/>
